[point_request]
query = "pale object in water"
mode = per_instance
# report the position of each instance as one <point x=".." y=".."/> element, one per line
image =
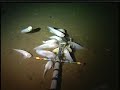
<point x="50" y="41"/>
<point x="67" y="55"/>
<point x="56" y="37"/>
<point x="56" y="32"/>
<point x="28" y="29"/>
<point x="24" y="53"/>
<point x="62" y="30"/>
<point x="46" y="53"/>
<point x="75" y="45"/>
<point x="69" y="49"/>
<point x="47" y="45"/>
<point x="48" y="66"/>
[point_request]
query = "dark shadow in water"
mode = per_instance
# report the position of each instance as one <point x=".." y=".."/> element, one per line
<point x="66" y="34"/>
<point x="35" y="30"/>
<point x="66" y="38"/>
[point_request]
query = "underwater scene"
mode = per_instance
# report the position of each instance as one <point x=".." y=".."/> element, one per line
<point x="93" y="28"/>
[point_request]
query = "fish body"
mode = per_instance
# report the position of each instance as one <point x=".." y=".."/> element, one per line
<point x="48" y="66"/>
<point x="27" y="30"/>
<point x="56" y="32"/>
<point x="56" y="37"/>
<point x="24" y="53"/>
<point x="75" y="46"/>
<point x="47" y="45"/>
<point x="46" y="53"/>
<point x="62" y="30"/>
<point x="50" y="41"/>
<point x="67" y="55"/>
<point x="68" y="48"/>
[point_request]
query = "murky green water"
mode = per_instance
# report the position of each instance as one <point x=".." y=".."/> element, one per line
<point x="92" y="25"/>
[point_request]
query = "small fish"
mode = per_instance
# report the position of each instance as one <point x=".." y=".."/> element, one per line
<point x="67" y="55"/>
<point x="48" y="66"/>
<point x="62" y="30"/>
<point x="68" y="47"/>
<point x="27" y="30"/>
<point x="47" y="45"/>
<point x="56" y="32"/>
<point x="50" y="41"/>
<point x="75" y="45"/>
<point x="24" y="53"/>
<point x="46" y="53"/>
<point x="56" y="37"/>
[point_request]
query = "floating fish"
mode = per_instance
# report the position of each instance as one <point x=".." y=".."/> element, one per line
<point x="46" y="53"/>
<point x="62" y="30"/>
<point x="48" y="66"/>
<point x="67" y="55"/>
<point x="56" y="37"/>
<point x="50" y="41"/>
<point x="27" y="30"/>
<point x="47" y="45"/>
<point x="75" y="45"/>
<point x="24" y="53"/>
<point x="56" y="32"/>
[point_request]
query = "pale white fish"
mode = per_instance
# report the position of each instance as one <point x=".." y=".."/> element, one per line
<point x="62" y="30"/>
<point x="56" y="32"/>
<point x="48" y="66"/>
<point x="24" y="53"/>
<point x="75" y="45"/>
<point x="46" y="53"/>
<point x="67" y="55"/>
<point x="28" y="29"/>
<point x="56" y="37"/>
<point x="69" y="49"/>
<point x="50" y="41"/>
<point x="47" y="45"/>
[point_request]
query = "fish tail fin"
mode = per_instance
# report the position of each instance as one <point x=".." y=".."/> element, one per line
<point x="44" y="73"/>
